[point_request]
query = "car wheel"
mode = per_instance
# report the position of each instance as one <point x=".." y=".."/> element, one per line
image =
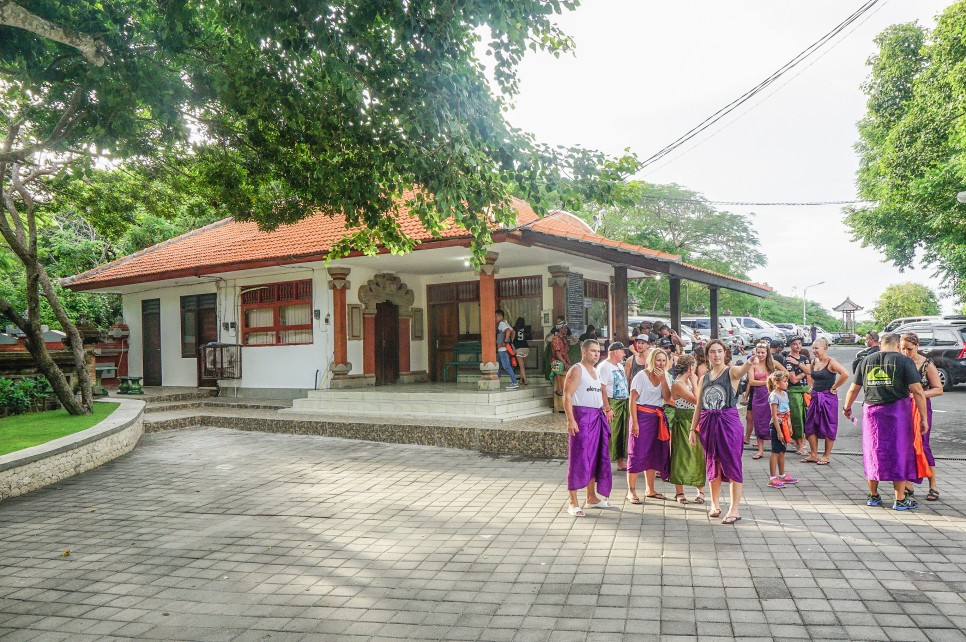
<point x="768" y="339"/>
<point x="946" y="380"/>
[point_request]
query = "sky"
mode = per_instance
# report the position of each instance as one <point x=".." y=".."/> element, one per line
<point x="646" y="71"/>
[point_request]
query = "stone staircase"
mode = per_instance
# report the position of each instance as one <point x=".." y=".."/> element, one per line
<point x="429" y="400"/>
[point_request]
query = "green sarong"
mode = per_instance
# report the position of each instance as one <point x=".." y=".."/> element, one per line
<point x="688" y="463"/>
<point x="796" y="407"/>
<point x="618" y="429"/>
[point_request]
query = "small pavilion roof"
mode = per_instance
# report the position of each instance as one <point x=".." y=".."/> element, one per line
<point x="848" y="306"/>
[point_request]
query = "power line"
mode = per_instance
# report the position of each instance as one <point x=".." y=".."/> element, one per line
<point x="737" y="102"/>
<point x="755" y="203"/>
<point x="773" y="92"/>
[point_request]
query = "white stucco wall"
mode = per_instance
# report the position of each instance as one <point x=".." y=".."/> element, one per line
<point x="262" y="366"/>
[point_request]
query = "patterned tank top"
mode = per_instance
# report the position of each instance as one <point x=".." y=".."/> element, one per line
<point x="683" y="404"/>
<point x="717" y="394"/>
<point x="922" y="375"/>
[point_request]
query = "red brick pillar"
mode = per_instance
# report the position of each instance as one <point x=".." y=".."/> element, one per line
<point x="339" y="286"/>
<point x="369" y="343"/>
<point x="489" y="369"/>
<point x="404" y="337"/>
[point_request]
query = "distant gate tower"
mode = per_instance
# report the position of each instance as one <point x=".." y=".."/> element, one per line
<point x="848" y="308"/>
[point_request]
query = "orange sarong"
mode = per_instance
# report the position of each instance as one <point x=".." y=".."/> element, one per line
<point x="663" y="434"/>
<point x="922" y="464"/>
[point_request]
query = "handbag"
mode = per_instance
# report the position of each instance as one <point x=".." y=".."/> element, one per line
<point x="510" y="350"/>
<point x="557" y="367"/>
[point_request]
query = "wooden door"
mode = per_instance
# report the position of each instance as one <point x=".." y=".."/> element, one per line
<point x="151" y="341"/>
<point x="387" y="343"/>
<point x="206" y="331"/>
<point x="443" y="336"/>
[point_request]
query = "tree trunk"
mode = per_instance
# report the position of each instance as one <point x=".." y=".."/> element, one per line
<point x="43" y="360"/>
<point x="76" y="343"/>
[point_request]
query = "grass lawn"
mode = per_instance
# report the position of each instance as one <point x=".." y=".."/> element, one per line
<point x="23" y="431"/>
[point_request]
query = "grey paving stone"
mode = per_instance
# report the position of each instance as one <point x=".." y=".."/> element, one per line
<point x="239" y="535"/>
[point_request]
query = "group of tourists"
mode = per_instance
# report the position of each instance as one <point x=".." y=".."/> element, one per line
<point x="676" y="417"/>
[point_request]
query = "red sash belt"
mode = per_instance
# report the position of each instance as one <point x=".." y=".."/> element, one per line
<point x="922" y="464"/>
<point x="663" y="434"/>
<point x="785" y="426"/>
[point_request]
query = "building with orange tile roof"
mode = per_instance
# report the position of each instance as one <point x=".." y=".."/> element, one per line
<point x="291" y="322"/>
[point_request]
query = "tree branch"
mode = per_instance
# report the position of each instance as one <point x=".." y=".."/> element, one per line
<point x="92" y="48"/>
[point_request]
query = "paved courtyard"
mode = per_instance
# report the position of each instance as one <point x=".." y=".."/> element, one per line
<point x="213" y="534"/>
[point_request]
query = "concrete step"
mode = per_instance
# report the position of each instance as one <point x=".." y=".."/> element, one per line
<point x="368" y="395"/>
<point x="217" y="402"/>
<point x="477" y="406"/>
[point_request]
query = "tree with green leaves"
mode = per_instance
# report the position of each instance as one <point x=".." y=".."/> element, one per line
<point x="911" y="148"/>
<point x="904" y="300"/>
<point x="281" y="110"/>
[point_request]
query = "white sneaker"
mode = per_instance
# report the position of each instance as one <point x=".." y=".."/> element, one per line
<point x="513" y="386"/>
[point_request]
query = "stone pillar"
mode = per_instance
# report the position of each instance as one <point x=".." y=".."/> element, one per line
<point x="339" y="286"/>
<point x="489" y="369"/>
<point x="714" y="311"/>
<point x="369" y="343"/>
<point x="619" y="304"/>
<point x="558" y="282"/>
<point x="675" y="302"/>
<point x="405" y="323"/>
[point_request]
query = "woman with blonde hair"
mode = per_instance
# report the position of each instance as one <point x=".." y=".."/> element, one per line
<point x="932" y="386"/>
<point x="822" y="415"/>
<point x="649" y="444"/>
<point x="758" y="415"/>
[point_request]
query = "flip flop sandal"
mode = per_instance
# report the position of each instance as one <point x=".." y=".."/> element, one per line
<point x="932" y="495"/>
<point x="757" y="456"/>
<point x="681" y="498"/>
<point x="699" y="498"/>
<point x="715" y="512"/>
<point x="656" y="496"/>
<point x="731" y="519"/>
<point x="634" y="499"/>
<point x="576" y="511"/>
<point x="822" y="462"/>
<point x="808" y="461"/>
<point x="603" y="503"/>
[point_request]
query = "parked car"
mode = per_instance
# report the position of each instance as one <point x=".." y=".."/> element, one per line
<point x="945" y="343"/>
<point x="790" y="330"/>
<point x="896" y="323"/>
<point x="760" y="329"/>
<point x="685" y="334"/>
<point x="844" y="337"/>
<point x="726" y="332"/>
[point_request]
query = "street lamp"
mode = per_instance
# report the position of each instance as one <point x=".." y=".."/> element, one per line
<point x="804" y="299"/>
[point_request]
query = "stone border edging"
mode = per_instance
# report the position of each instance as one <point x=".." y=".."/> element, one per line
<point x="497" y="440"/>
<point x="44" y="464"/>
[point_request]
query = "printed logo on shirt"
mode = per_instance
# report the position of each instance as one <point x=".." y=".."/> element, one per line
<point x="880" y="375"/>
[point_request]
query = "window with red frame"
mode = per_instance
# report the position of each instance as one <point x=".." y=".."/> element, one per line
<point x="277" y="313"/>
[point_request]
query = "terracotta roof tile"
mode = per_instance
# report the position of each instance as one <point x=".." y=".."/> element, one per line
<point x="232" y="243"/>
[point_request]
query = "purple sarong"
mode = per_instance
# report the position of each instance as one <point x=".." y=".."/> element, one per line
<point x="588" y="452"/>
<point x="646" y="451"/>
<point x="761" y="413"/>
<point x="822" y="416"/>
<point x="888" y="453"/>
<point x="925" y="438"/>
<point x="723" y="439"/>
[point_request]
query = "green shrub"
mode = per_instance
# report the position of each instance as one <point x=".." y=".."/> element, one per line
<point x="18" y="396"/>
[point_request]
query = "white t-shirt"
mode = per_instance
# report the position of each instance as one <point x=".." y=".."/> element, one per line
<point x="614" y="378"/>
<point x="647" y="393"/>
<point x="501" y="329"/>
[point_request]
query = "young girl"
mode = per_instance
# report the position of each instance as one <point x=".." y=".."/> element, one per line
<point x="781" y="429"/>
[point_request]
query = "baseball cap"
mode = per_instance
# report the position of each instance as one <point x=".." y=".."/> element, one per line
<point x="794" y="339"/>
<point x="646" y="338"/>
<point x="775" y="343"/>
<point x="872" y="334"/>
<point x="614" y="347"/>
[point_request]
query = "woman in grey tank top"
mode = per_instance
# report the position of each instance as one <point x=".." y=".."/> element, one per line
<point x="716" y="421"/>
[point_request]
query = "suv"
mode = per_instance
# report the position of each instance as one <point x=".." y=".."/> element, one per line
<point x="760" y="329"/>
<point x="944" y="342"/>
<point x="727" y="331"/>
<point x="897" y="323"/>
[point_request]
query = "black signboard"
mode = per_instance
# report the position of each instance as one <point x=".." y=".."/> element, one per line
<point x="575" y="303"/>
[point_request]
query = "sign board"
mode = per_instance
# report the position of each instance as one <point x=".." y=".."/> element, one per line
<point x="575" y="303"/>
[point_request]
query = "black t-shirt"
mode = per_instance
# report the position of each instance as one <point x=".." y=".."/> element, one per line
<point x="885" y="377"/>
<point x="521" y="336"/>
<point x="795" y="369"/>
<point x="779" y="358"/>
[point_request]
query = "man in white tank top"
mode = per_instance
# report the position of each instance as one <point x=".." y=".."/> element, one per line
<point x="588" y="416"/>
